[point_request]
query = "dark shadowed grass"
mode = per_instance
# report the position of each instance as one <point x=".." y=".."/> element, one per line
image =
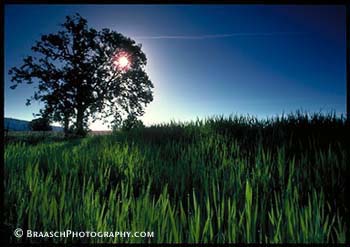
<point x="32" y="137"/>
<point x="218" y="180"/>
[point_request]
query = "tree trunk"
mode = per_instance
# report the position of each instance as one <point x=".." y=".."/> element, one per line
<point x="80" y="121"/>
<point x="66" y="125"/>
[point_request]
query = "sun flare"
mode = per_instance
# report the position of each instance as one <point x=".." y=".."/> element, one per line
<point x="121" y="61"/>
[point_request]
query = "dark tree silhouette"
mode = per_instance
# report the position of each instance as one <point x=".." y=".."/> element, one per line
<point x="78" y="75"/>
<point x="131" y="122"/>
<point x="40" y="124"/>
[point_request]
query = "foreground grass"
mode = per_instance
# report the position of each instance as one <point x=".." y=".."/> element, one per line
<point x="218" y="180"/>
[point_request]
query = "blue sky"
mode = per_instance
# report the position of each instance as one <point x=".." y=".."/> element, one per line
<point x="207" y="60"/>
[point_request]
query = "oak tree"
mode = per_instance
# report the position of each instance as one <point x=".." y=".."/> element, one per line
<point x="83" y="73"/>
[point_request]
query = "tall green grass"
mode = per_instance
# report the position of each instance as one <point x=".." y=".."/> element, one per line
<point x="217" y="180"/>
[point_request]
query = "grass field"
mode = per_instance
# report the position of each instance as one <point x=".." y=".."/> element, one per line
<point x="217" y="180"/>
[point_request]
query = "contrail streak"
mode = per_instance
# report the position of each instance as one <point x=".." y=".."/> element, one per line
<point x="218" y="36"/>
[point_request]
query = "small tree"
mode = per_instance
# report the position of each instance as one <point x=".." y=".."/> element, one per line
<point x="40" y="124"/>
<point x="131" y="122"/>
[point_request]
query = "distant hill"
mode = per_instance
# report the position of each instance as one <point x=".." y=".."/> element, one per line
<point x="22" y="125"/>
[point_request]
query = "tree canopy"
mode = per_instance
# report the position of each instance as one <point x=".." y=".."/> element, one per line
<point x="81" y="72"/>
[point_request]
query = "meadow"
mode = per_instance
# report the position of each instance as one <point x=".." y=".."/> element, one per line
<point x="217" y="180"/>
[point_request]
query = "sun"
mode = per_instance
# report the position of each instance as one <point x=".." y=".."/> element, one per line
<point x="121" y="61"/>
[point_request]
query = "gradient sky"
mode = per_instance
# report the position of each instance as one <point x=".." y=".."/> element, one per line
<point x="207" y="60"/>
